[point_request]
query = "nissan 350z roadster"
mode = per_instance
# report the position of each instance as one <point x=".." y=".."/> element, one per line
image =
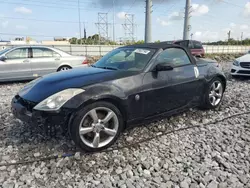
<point x="130" y="85"/>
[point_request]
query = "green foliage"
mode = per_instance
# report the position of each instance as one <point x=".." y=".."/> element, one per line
<point x="94" y="40"/>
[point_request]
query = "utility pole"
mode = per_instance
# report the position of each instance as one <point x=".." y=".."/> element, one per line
<point x="85" y="33"/>
<point x="79" y="14"/>
<point x="229" y="35"/>
<point x="191" y="35"/>
<point x="241" y="38"/>
<point x="148" y="21"/>
<point x="187" y="21"/>
<point x="114" y="20"/>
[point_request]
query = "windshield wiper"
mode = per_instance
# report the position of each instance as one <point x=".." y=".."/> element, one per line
<point x="110" y="68"/>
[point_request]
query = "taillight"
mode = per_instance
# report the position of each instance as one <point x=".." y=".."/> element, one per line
<point x="85" y="62"/>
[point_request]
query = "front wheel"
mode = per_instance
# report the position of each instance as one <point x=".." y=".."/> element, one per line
<point x="214" y="94"/>
<point x="97" y="126"/>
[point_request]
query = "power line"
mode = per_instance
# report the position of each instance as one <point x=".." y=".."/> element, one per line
<point x="41" y="20"/>
<point x="233" y="4"/>
<point x="32" y="35"/>
<point x="48" y="6"/>
<point x="53" y="3"/>
<point x="131" y="6"/>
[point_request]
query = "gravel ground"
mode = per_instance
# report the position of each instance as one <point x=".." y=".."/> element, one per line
<point x="208" y="156"/>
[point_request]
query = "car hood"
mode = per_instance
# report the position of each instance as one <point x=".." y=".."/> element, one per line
<point x="43" y="87"/>
<point x="244" y="58"/>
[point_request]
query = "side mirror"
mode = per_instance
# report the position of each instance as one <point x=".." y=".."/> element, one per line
<point x="163" y="67"/>
<point x="3" y="58"/>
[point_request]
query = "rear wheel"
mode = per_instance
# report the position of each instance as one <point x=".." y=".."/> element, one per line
<point x="214" y="94"/>
<point x="64" y="68"/>
<point x="97" y="126"/>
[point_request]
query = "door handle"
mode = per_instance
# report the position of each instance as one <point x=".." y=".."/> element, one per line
<point x="57" y="59"/>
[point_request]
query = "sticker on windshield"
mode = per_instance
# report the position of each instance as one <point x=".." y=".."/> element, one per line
<point x="142" y="51"/>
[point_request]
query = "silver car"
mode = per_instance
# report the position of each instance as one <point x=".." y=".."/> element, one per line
<point x="30" y="62"/>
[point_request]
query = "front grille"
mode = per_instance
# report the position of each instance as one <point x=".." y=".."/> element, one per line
<point x="245" y="65"/>
<point x="244" y="72"/>
<point x="27" y="104"/>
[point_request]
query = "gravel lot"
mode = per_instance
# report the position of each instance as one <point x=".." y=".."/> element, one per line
<point x="208" y="156"/>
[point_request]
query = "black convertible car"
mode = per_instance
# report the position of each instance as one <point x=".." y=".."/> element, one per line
<point x="128" y="86"/>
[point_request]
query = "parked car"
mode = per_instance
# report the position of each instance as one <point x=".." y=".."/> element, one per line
<point x="241" y="66"/>
<point x="129" y="85"/>
<point x="195" y="47"/>
<point x="29" y="62"/>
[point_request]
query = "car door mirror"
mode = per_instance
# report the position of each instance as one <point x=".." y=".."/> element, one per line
<point x="163" y="67"/>
<point x="3" y="58"/>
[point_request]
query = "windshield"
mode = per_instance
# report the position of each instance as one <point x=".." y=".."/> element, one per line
<point x="132" y="59"/>
<point x="3" y="51"/>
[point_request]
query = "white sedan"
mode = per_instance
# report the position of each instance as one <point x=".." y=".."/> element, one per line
<point x="30" y="62"/>
<point x="241" y="66"/>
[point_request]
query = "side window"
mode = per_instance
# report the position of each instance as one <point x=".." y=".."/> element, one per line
<point x="174" y="57"/>
<point x="182" y="43"/>
<point x="191" y="45"/>
<point x="44" y="52"/>
<point x="20" y="53"/>
<point x="197" y="45"/>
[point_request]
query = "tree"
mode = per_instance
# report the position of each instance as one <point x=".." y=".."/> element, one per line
<point x="73" y="40"/>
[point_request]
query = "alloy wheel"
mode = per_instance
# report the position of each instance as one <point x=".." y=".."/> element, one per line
<point x="215" y="94"/>
<point x="98" y="127"/>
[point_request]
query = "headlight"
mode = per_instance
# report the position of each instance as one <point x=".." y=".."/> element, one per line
<point x="56" y="101"/>
<point x="236" y="63"/>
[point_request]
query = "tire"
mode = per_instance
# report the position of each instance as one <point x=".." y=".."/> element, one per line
<point x="108" y="132"/>
<point x="217" y="93"/>
<point x="63" y="68"/>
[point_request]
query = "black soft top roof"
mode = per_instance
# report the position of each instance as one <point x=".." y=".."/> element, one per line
<point x="159" y="45"/>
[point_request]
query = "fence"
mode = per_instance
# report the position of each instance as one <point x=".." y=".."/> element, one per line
<point x="100" y="50"/>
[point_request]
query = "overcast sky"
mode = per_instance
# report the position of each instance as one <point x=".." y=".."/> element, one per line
<point x="43" y="19"/>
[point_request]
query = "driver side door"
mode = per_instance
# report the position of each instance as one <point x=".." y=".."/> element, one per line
<point x="168" y="90"/>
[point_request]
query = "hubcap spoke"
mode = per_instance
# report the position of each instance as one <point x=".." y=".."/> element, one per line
<point x="108" y="117"/>
<point x="213" y="100"/>
<point x="110" y="132"/>
<point x="213" y="86"/>
<point x="96" y="140"/>
<point x="218" y="95"/>
<point x="218" y="87"/>
<point x="211" y="95"/>
<point x="85" y="130"/>
<point x="93" y="115"/>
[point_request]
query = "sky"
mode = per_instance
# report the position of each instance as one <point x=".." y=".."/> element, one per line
<point x="45" y="19"/>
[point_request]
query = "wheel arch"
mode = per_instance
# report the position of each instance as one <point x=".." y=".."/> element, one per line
<point x="224" y="81"/>
<point x="64" y="65"/>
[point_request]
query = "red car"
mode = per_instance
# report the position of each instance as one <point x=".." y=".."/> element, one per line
<point x="195" y="47"/>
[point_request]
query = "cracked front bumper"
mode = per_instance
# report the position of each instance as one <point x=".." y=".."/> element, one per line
<point x="23" y="110"/>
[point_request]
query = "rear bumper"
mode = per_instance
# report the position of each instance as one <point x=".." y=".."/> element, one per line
<point x="39" y="118"/>
<point x="237" y="70"/>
